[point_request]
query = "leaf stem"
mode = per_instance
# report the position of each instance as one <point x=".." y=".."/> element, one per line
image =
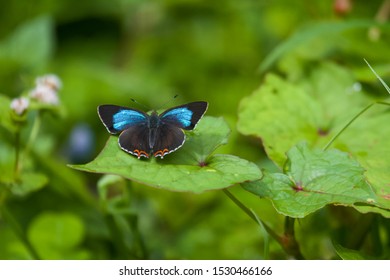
<point x="251" y="215"/>
<point x="291" y="247"/>
<point x="347" y="125"/>
<point x="266" y="236"/>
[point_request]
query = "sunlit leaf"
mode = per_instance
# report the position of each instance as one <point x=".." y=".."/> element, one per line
<point x="282" y="113"/>
<point x="349" y="254"/>
<point x="31" y="44"/>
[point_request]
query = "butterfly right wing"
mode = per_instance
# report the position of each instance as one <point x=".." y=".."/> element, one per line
<point x="117" y="118"/>
<point x="185" y="116"/>
<point x="131" y="124"/>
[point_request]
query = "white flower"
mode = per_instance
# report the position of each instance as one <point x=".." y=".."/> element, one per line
<point x="50" y="80"/>
<point x="45" y="94"/>
<point x="19" y="105"/>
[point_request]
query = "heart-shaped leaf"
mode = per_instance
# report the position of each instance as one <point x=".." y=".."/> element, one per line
<point x="192" y="168"/>
<point x="312" y="179"/>
<point x="282" y="113"/>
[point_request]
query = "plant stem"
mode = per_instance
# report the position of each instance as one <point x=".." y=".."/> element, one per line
<point x="266" y="237"/>
<point x="291" y="247"/>
<point x="33" y="133"/>
<point x="347" y="125"/>
<point x="18" y="231"/>
<point x="251" y="215"/>
<point x="352" y="120"/>
<point x="17" y="155"/>
<point x="290" y="243"/>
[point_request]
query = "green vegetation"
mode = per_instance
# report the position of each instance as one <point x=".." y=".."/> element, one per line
<point x="292" y="159"/>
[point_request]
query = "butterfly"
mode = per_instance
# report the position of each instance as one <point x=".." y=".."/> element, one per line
<point x="143" y="135"/>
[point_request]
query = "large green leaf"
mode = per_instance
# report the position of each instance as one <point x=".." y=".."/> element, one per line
<point x="368" y="140"/>
<point x="282" y="113"/>
<point x="312" y="179"/>
<point x="192" y="168"/>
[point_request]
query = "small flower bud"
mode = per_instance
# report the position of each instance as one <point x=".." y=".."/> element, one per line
<point x="45" y="94"/>
<point x="19" y="105"/>
<point x="50" y="80"/>
<point x="342" y="7"/>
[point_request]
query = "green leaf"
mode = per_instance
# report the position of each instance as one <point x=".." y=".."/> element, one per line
<point x="349" y="254"/>
<point x="7" y="163"/>
<point x="372" y="150"/>
<point x="29" y="182"/>
<point x="6" y="120"/>
<point x="282" y="113"/>
<point x="110" y="185"/>
<point x="192" y="168"/>
<point x="312" y="179"/>
<point x="314" y="110"/>
<point x="57" y="236"/>
<point x="31" y="44"/>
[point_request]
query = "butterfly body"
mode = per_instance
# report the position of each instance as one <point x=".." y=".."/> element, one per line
<point x="143" y="135"/>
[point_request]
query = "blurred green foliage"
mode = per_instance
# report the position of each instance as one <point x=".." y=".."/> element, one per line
<point x="218" y="51"/>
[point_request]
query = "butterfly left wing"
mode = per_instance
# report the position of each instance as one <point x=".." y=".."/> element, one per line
<point x="184" y="116"/>
<point x="135" y="140"/>
<point x="117" y="118"/>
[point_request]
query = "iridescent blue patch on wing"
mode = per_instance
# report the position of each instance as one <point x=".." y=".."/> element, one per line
<point x="126" y="118"/>
<point x="182" y="115"/>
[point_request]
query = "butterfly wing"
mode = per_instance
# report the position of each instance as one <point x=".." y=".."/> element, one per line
<point x="169" y="138"/>
<point x="135" y="140"/>
<point x="185" y="116"/>
<point x="118" y="118"/>
<point x="131" y="124"/>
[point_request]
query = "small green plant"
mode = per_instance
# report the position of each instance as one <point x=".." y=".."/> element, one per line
<point x="16" y="116"/>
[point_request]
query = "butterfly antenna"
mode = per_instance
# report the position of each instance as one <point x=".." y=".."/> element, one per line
<point x="142" y="105"/>
<point x="169" y="101"/>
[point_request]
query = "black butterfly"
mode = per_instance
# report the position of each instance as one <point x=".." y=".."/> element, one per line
<point x="142" y="134"/>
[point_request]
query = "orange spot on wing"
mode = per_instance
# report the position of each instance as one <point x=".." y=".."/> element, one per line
<point x="141" y="153"/>
<point x="161" y="153"/>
